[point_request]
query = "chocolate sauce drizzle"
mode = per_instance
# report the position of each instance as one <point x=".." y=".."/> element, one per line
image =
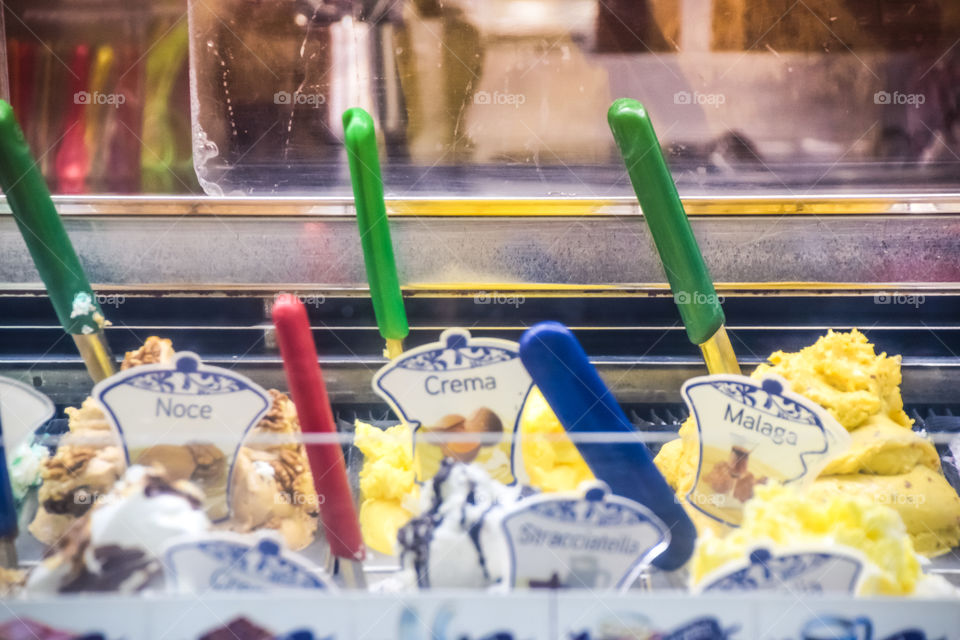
<point x="415" y="537"/>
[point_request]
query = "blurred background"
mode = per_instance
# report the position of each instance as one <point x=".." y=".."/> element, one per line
<point x="487" y="98"/>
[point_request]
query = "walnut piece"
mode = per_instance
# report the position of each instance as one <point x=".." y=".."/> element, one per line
<point x="68" y="461"/>
<point x="287" y="467"/>
<point x="155" y="350"/>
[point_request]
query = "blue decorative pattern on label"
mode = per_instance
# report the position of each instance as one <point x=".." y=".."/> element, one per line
<point x="231" y="562"/>
<point x="790" y="571"/>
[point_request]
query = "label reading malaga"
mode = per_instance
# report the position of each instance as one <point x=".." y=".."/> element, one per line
<point x="753" y="432"/>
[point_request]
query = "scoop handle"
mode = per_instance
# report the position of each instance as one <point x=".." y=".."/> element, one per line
<point x="583" y="403"/>
<point x="689" y="279"/>
<point x="363" y="157"/>
<point x="309" y="392"/>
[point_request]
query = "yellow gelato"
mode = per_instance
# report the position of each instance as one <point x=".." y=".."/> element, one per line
<point x="550" y="459"/>
<point x="926" y="502"/>
<point x="390" y="494"/>
<point x="887" y="461"/>
<point x="842" y="373"/>
<point x="387" y="483"/>
<point x="781" y="516"/>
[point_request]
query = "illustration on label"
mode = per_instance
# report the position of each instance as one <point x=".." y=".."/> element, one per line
<point x="225" y="561"/>
<point x="588" y="540"/>
<point x="753" y="432"/>
<point x="463" y="396"/>
<point x="187" y="416"/>
<point x="807" y="570"/>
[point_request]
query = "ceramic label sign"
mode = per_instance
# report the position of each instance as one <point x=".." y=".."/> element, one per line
<point x="187" y="416"/>
<point x="22" y="410"/>
<point x="463" y="397"/>
<point x="588" y="540"/>
<point x="790" y="571"/>
<point x="753" y="432"/>
<point x="225" y="561"/>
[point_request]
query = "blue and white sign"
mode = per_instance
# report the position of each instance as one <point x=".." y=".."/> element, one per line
<point x="226" y="561"/>
<point x="176" y="412"/>
<point x="589" y="540"/>
<point x="790" y="571"/>
<point x="753" y="432"/>
<point x="462" y="395"/>
<point x="22" y="410"/>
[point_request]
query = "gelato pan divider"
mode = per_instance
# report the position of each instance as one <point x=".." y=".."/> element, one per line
<point x="53" y="254"/>
<point x="693" y="290"/>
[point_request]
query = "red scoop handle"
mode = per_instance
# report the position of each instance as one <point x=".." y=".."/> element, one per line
<point x="300" y="362"/>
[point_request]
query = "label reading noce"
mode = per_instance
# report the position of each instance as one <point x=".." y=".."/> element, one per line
<point x="463" y="396"/>
<point x="187" y="416"/>
<point x="753" y="432"/>
<point x="790" y="570"/>
<point x="590" y="539"/>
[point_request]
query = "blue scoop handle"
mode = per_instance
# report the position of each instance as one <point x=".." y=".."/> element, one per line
<point x="584" y="404"/>
<point x="8" y="507"/>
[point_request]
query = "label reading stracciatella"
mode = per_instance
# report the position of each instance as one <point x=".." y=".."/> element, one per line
<point x="752" y="433"/>
<point x="463" y="396"/>
<point x="590" y="539"/>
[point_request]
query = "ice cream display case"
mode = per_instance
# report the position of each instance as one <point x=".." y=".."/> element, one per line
<point x="453" y="344"/>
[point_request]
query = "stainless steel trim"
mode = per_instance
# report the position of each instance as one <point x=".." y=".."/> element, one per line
<point x="774" y="205"/>
<point x="287" y="246"/>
